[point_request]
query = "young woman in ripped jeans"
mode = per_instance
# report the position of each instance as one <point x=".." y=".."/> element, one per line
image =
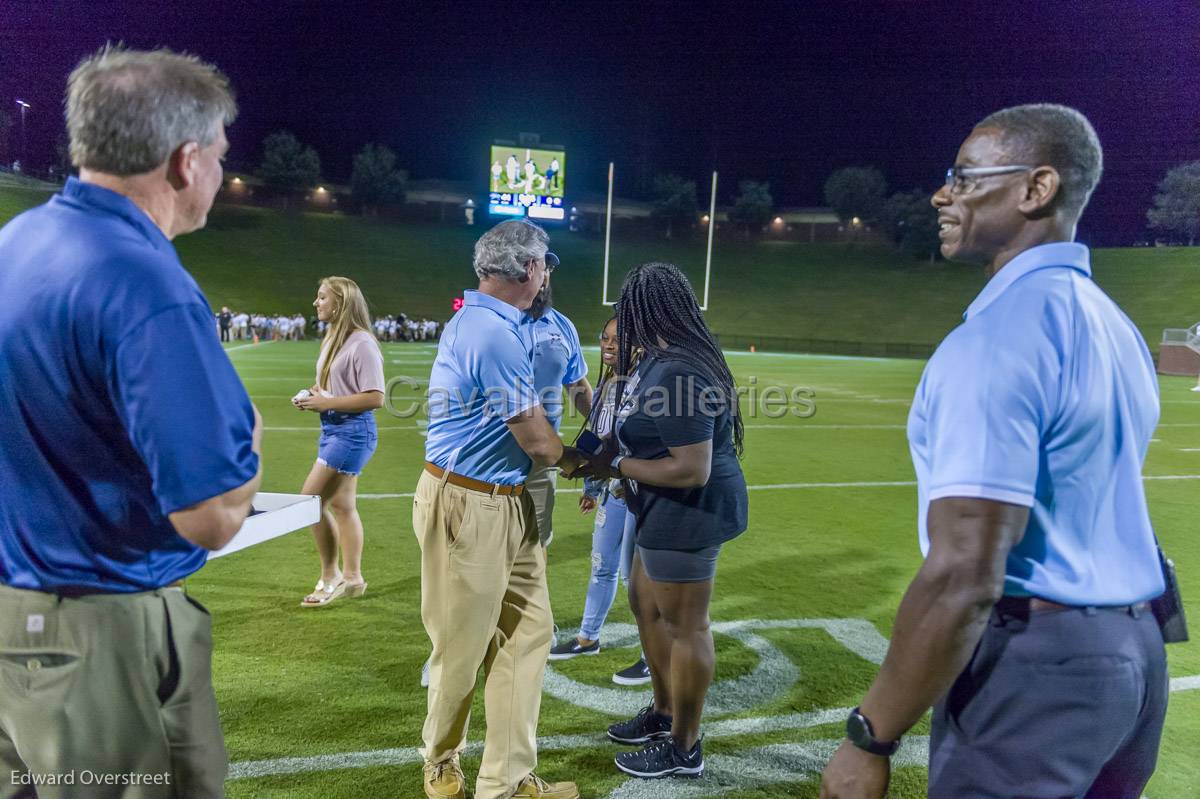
<point x="612" y="535"/>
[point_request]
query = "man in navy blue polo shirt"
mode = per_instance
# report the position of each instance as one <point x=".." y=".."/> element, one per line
<point x="129" y="447"/>
<point x="558" y="364"/>
<point x="1027" y="626"/>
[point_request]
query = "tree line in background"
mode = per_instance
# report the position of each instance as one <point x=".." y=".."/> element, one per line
<point x="292" y="168"/>
<point x="857" y="195"/>
<point x="1176" y="210"/>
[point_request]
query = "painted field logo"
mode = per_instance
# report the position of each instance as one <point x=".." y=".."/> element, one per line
<point x="771" y="679"/>
<point x="758" y="767"/>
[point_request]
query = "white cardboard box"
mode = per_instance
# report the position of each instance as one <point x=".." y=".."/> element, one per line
<point x="280" y="515"/>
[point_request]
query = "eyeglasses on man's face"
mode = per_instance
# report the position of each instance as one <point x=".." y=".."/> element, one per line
<point x="962" y="180"/>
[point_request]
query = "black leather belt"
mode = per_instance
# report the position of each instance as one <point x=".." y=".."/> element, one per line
<point x="1025" y="606"/>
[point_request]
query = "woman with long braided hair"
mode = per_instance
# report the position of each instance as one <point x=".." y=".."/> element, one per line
<point x="676" y="443"/>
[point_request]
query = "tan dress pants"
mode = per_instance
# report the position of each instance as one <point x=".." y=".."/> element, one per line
<point x="108" y="696"/>
<point x="484" y="602"/>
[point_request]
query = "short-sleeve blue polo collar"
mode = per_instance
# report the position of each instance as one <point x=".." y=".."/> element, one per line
<point x="1063" y="254"/>
<point x="102" y="199"/>
<point x="509" y="313"/>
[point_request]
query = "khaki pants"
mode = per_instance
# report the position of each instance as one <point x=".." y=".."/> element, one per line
<point x="108" y="696"/>
<point x="540" y="485"/>
<point x="484" y="602"/>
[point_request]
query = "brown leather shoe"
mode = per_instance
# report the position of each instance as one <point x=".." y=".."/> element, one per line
<point x="534" y="787"/>
<point x="445" y="780"/>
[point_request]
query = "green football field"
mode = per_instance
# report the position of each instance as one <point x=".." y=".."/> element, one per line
<point x="326" y="703"/>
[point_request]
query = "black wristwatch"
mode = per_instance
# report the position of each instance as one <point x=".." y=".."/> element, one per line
<point x="862" y="734"/>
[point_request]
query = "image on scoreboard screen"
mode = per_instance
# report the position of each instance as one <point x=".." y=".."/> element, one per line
<point x="523" y="180"/>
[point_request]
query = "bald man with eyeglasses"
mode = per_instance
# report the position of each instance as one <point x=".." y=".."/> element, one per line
<point x="1028" y="628"/>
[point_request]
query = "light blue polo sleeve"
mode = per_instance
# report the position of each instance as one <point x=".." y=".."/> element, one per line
<point x="987" y="405"/>
<point x="502" y="369"/>
<point x="576" y="365"/>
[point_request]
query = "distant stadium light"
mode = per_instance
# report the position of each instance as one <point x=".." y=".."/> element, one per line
<point x="320" y="189"/>
<point x="704" y="219"/>
<point x="779" y="220"/>
<point x="23" y="104"/>
<point x="856" y="221"/>
<point x="237" y="180"/>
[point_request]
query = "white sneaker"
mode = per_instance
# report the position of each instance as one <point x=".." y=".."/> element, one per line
<point x="425" y="674"/>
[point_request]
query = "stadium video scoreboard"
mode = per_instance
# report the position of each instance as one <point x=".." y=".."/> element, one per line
<point x="526" y="181"/>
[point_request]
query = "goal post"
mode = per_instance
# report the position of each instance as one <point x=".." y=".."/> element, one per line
<point x="712" y="225"/>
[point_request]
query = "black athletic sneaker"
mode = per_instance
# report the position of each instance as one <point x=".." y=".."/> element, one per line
<point x="648" y="725"/>
<point x="637" y="674"/>
<point x="662" y="759"/>
<point x="572" y="648"/>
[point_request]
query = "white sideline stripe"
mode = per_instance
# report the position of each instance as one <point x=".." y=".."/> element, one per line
<point x="248" y="346"/>
<point x="791" y="486"/>
<point x="400" y="756"/>
<point x="1189" y="449"/>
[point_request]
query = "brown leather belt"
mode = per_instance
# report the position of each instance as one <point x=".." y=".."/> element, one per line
<point x="1026" y="605"/>
<point x="473" y="484"/>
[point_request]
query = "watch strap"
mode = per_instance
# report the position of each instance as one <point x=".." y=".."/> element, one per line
<point x="861" y="733"/>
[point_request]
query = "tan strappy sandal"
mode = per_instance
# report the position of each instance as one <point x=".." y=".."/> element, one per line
<point x="324" y="593"/>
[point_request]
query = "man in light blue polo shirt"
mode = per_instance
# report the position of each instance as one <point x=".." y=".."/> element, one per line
<point x="483" y="571"/>
<point x="129" y="446"/>
<point x="558" y="363"/>
<point x="1028" y="624"/>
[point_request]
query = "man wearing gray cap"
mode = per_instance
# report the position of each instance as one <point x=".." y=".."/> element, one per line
<point x="484" y="599"/>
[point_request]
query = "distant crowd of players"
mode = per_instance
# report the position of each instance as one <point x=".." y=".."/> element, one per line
<point x="242" y="326"/>
<point x="402" y="328"/>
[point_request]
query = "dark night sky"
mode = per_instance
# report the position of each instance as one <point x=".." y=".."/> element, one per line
<point x="784" y="92"/>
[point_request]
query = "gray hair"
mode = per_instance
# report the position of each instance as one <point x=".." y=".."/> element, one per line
<point x="505" y="249"/>
<point x="128" y="110"/>
<point x="1057" y="136"/>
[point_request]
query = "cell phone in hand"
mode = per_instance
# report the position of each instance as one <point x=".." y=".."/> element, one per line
<point x="589" y="442"/>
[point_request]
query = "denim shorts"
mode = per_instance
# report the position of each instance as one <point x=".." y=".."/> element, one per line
<point x="348" y="441"/>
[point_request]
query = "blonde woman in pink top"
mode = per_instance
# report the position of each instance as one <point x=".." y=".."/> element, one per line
<point x="349" y="388"/>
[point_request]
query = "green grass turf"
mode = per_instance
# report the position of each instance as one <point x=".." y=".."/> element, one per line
<point x="302" y="683"/>
<point x="259" y="260"/>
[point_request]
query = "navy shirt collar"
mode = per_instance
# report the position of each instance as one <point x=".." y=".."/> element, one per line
<point x="510" y="313"/>
<point x="99" y="198"/>
<point x="1067" y="254"/>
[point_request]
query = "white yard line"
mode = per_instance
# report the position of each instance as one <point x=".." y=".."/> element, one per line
<point x="248" y="346"/>
<point x="802" y="486"/>
<point x="316" y="428"/>
<point x="1185" y="683"/>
